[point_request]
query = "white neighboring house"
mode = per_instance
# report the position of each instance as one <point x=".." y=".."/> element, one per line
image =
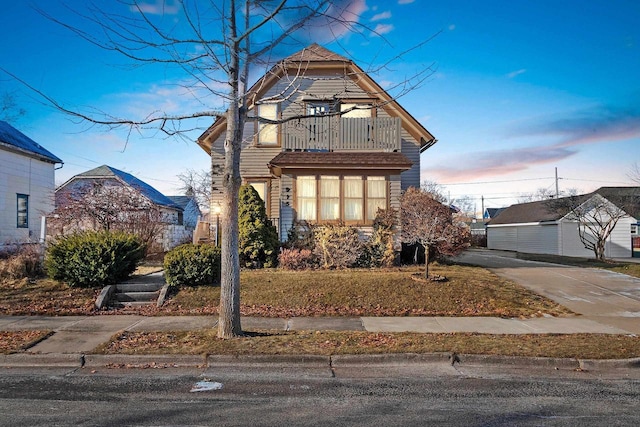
<point x="190" y="208"/>
<point x="538" y="227"/>
<point x="27" y="185"/>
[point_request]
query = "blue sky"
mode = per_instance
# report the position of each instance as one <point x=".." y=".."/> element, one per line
<point x="519" y="88"/>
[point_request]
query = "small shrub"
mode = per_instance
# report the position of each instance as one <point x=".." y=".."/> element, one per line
<point x="296" y="259"/>
<point x="192" y="265"/>
<point x="18" y="262"/>
<point x="337" y="245"/>
<point x="94" y="258"/>
<point x="257" y="238"/>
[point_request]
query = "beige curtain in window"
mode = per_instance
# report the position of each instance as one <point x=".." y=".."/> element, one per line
<point x="376" y="195"/>
<point x="306" y="194"/>
<point x="353" y="199"/>
<point x="329" y="198"/>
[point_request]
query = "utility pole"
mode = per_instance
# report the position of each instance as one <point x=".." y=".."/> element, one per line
<point x="482" y="200"/>
<point x="557" y="192"/>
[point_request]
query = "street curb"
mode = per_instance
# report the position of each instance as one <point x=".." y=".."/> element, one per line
<point x="75" y="360"/>
<point x="53" y="360"/>
<point x="143" y="361"/>
<point x="346" y="360"/>
<point x="298" y="360"/>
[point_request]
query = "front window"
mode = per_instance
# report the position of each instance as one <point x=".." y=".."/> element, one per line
<point x="376" y="195"/>
<point x="23" y="211"/>
<point x="306" y="194"/>
<point x="351" y="199"/>
<point x="268" y="132"/>
<point x="329" y="198"/>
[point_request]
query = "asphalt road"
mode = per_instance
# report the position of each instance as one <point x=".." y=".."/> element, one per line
<point x="411" y="394"/>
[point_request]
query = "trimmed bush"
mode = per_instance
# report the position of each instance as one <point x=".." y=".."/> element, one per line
<point x="94" y="258"/>
<point x="337" y="245"/>
<point x="296" y="259"/>
<point x="192" y="265"/>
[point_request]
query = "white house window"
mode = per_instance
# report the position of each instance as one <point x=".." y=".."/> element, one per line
<point x="376" y="195"/>
<point x="329" y="198"/>
<point x="268" y="132"/>
<point x="23" y="211"/>
<point x="362" y="110"/>
<point x="307" y="198"/>
<point x="351" y="199"/>
<point x="318" y="108"/>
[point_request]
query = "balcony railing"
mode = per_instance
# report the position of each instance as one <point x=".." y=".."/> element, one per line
<point x="336" y="133"/>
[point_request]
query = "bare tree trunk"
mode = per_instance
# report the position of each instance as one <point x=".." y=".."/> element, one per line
<point x="426" y="262"/>
<point x="229" y="311"/>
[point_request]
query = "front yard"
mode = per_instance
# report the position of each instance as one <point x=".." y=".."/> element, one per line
<point x="469" y="291"/>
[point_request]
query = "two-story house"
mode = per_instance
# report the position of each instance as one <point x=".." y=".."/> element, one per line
<point x="342" y="147"/>
<point x="26" y="186"/>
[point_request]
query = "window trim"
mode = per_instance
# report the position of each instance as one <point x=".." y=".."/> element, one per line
<point x="25" y="211"/>
<point x="365" y="221"/>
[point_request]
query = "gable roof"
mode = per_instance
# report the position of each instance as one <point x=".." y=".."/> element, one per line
<point x="183" y="201"/>
<point x="12" y="139"/>
<point x="315" y="57"/>
<point x="104" y="172"/>
<point x="626" y="198"/>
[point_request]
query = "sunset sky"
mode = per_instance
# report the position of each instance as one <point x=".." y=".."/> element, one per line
<point x="517" y="89"/>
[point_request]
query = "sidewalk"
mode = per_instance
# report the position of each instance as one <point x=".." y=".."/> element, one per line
<point x="81" y="334"/>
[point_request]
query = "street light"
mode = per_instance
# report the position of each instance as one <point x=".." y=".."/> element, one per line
<point x="216" y="210"/>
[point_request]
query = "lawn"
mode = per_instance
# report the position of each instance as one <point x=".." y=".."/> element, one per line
<point x="585" y="346"/>
<point x="469" y="291"/>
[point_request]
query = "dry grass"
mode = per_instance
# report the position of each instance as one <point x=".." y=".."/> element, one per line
<point x="469" y="291"/>
<point x="587" y="346"/>
<point x="44" y="297"/>
<point x="628" y="268"/>
<point x="15" y="341"/>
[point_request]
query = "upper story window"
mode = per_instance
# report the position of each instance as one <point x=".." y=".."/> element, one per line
<point x="318" y="108"/>
<point x="362" y="110"/>
<point x="23" y="211"/>
<point x="267" y="132"/>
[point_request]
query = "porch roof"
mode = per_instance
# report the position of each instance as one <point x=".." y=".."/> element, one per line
<point x="306" y="161"/>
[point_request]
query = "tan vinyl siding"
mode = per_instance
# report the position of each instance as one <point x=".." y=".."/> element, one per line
<point x="286" y="206"/>
<point x="411" y="178"/>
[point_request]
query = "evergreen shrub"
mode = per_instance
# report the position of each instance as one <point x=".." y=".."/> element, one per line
<point x="94" y="258"/>
<point x="192" y="265"/>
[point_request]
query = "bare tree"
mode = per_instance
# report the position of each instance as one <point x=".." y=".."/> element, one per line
<point x="219" y="46"/>
<point x="101" y="206"/>
<point x="596" y="217"/>
<point x="430" y="224"/>
<point x="9" y="109"/>
<point x="198" y="184"/>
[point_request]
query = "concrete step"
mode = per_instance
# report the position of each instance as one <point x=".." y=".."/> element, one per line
<point x="138" y="287"/>
<point x="123" y="304"/>
<point x="136" y="296"/>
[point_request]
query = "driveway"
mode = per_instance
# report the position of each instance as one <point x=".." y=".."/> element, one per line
<point x="609" y="298"/>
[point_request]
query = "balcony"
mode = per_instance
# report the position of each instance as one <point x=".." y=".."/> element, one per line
<point x="334" y="133"/>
